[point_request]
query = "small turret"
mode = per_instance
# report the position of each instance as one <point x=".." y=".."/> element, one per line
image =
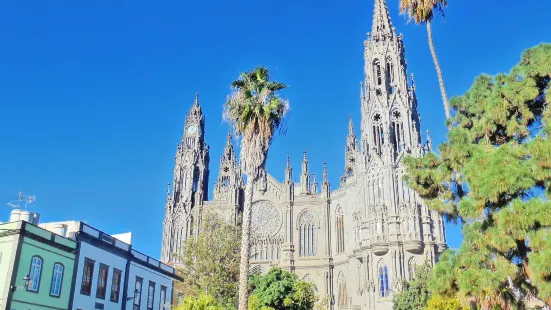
<point x="314" y="185"/>
<point x="288" y="171"/>
<point x="304" y="177"/>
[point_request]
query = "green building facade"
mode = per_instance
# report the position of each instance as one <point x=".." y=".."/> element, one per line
<point x="37" y="268"/>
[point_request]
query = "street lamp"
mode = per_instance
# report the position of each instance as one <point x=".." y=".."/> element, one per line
<point x="27" y="281"/>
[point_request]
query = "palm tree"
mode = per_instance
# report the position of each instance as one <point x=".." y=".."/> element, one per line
<point x="422" y="11"/>
<point x="255" y="112"/>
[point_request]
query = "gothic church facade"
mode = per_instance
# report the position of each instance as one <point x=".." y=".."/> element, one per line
<point x="354" y="243"/>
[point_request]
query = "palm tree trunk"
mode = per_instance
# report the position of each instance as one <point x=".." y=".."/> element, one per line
<point x="245" y="246"/>
<point x="438" y="71"/>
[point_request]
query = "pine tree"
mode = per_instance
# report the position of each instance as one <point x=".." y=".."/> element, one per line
<point x="494" y="172"/>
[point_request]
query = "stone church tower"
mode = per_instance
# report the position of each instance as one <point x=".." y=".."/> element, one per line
<point x="190" y="184"/>
<point x="355" y="243"/>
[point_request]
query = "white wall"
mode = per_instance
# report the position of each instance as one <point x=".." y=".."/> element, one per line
<point x="100" y="257"/>
<point x="148" y="274"/>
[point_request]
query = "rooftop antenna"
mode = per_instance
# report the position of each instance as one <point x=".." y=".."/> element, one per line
<point x="22" y="199"/>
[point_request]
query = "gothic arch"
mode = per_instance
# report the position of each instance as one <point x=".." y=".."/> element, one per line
<point x="383" y="279"/>
<point x="307" y="213"/>
<point x="378" y="133"/>
<point x="389" y="69"/>
<point x="308" y="233"/>
<point x="342" y="290"/>
<point x="339" y="229"/>
<point x="377" y="74"/>
<point x="308" y="278"/>
<point x="412" y="268"/>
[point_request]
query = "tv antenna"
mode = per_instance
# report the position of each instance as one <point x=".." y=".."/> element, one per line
<point x="22" y="201"/>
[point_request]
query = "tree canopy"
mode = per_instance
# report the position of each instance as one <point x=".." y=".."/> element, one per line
<point x="494" y="172"/>
<point x="280" y="290"/>
<point x="211" y="261"/>
<point x="415" y="293"/>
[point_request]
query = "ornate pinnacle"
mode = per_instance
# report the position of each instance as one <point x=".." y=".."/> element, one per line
<point x="304" y="156"/>
<point x="288" y="170"/>
<point x="412" y="81"/>
<point x="196" y="102"/>
<point x="350" y="125"/>
<point x="229" y="137"/>
<point x="325" y="172"/>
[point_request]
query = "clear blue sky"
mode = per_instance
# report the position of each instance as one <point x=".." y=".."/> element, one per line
<point x="93" y="94"/>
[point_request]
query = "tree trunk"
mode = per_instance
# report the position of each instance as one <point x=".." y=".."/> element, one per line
<point x="245" y="246"/>
<point x="438" y="71"/>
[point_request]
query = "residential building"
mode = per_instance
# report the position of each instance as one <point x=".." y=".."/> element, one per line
<point x="36" y="267"/>
<point x="356" y="241"/>
<point x="111" y="275"/>
<point x="151" y="283"/>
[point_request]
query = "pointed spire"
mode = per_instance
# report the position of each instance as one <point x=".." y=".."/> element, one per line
<point x="196" y="101"/>
<point x="228" y="138"/>
<point x="429" y="141"/>
<point x="325" y="180"/>
<point x="350" y="126"/>
<point x="382" y="26"/>
<point x="288" y="170"/>
<point x="412" y="82"/>
<point x="168" y="189"/>
<point x="288" y="161"/>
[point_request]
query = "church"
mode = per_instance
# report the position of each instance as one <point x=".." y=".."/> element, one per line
<point x="356" y="241"/>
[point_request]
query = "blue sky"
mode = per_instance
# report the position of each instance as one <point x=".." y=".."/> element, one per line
<point x="93" y="94"/>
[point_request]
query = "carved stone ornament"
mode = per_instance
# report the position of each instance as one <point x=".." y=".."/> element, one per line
<point x="266" y="219"/>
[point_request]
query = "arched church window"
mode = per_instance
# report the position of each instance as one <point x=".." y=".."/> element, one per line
<point x="308" y="235"/>
<point x="384" y="287"/>
<point x="389" y="70"/>
<point x="397" y="132"/>
<point x="195" y="181"/>
<point x="225" y="181"/>
<point x="378" y="133"/>
<point x="185" y="179"/>
<point x="377" y="72"/>
<point x="411" y="268"/>
<point x="343" y="293"/>
<point x="340" y="229"/>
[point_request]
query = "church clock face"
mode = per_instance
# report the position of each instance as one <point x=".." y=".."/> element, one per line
<point x="192" y="129"/>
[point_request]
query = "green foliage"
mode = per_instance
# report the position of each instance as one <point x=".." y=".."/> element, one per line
<point x="203" y="302"/>
<point x="438" y="302"/>
<point x="421" y="11"/>
<point x="280" y="290"/>
<point x="255" y="111"/>
<point x="415" y="293"/>
<point x="495" y="174"/>
<point x="211" y="261"/>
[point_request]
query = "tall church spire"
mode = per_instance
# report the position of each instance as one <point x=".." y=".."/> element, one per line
<point x="390" y="124"/>
<point x="382" y="26"/>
